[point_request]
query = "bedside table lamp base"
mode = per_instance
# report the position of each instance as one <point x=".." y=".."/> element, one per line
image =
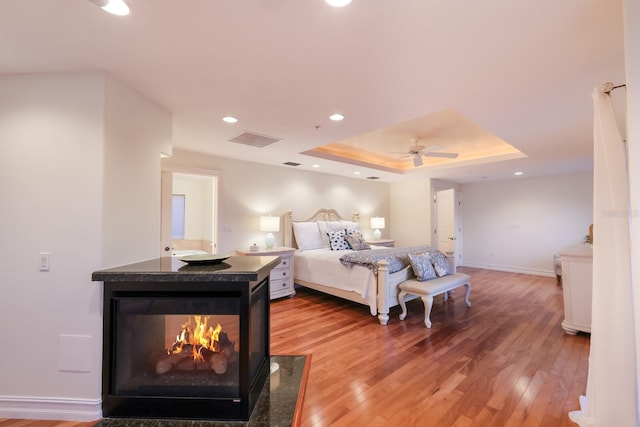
<point x="269" y="241"/>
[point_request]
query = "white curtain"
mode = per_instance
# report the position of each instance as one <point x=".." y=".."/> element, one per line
<point x="610" y="399"/>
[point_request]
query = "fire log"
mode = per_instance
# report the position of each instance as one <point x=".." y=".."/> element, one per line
<point x="218" y="362"/>
<point x="169" y="361"/>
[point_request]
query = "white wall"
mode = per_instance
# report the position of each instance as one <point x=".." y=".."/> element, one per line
<point x="518" y="225"/>
<point x="248" y="190"/>
<point x="411" y="212"/>
<point x="76" y="181"/>
<point x="136" y="130"/>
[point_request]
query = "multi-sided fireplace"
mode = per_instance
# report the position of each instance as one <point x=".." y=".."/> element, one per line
<point x="185" y="341"/>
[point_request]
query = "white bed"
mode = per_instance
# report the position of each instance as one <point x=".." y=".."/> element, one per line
<point x="320" y="268"/>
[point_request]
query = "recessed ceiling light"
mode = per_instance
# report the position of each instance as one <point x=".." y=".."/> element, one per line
<point x="315" y="166"/>
<point x="336" y="117"/>
<point x="338" y="3"/>
<point x="356" y="173"/>
<point x="518" y="173"/>
<point x="229" y="119"/>
<point x="114" y="7"/>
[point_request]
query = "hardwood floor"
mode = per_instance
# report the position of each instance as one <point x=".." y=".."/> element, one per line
<point x="504" y="362"/>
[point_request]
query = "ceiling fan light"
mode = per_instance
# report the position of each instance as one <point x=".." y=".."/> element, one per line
<point x="417" y="160"/>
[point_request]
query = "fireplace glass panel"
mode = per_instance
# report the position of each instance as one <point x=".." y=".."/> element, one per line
<point x="176" y="346"/>
<point x="258" y="344"/>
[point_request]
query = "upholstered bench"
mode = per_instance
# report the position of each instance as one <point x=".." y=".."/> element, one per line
<point x="427" y="289"/>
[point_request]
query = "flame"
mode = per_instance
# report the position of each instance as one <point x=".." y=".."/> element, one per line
<point x="200" y="337"/>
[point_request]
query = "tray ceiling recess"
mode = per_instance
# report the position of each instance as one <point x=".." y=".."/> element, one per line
<point x="446" y="132"/>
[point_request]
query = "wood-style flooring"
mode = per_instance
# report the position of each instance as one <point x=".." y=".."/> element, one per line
<point x="504" y="362"/>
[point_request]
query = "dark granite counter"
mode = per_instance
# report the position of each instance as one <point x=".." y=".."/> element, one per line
<point x="171" y="269"/>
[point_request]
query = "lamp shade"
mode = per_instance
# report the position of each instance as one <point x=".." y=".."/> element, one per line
<point x="270" y="223"/>
<point x="377" y="222"/>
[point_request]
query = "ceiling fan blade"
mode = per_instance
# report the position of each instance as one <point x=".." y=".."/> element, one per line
<point x="436" y="154"/>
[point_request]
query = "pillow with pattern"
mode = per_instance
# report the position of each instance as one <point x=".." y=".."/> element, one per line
<point x="357" y="242"/>
<point x="327" y="226"/>
<point x="337" y="241"/>
<point x="353" y="232"/>
<point x="422" y="267"/>
<point x="441" y="264"/>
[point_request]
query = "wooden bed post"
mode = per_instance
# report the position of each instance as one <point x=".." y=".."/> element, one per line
<point x="383" y="291"/>
<point x="287" y="228"/>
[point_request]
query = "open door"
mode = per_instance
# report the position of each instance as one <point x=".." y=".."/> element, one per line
<point x="446" y="221"/>
<point x="166" y="191"/>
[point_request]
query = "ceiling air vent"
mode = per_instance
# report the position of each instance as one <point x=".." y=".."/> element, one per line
<point x="254" y="139"/>
<point x="373" y="177"/>
<point x="291" y="164"/>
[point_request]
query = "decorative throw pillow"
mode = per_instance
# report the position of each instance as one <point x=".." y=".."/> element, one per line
<point x="422" y="267"/>
<point x="351" y="227"/>
<point x="357" y="242"/>
<point x="325" y="227"/>
<point x="337" y="241"/>
<point x="441" y="264"/>
<point x="353" y="232"/>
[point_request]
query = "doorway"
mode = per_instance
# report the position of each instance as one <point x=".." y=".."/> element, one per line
<point x="447" y="229"/>
<point x="188" y="213"/>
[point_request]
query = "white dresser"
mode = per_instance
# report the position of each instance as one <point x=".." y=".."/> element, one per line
<point x="577" y="279"/>
<point x="281" y="277"/>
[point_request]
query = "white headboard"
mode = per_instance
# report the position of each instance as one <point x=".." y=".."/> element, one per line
<point x="319" y="215"/>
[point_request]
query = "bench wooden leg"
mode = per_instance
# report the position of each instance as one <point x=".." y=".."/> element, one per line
<point x="403" y="304"/>
<point x="428" y="303"/>
<point x="466" y="294"/>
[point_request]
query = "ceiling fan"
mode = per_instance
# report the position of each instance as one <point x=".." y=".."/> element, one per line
<point x="417" y="151"/>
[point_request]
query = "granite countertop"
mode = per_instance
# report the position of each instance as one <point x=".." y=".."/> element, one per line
<point x="171" y="269"/>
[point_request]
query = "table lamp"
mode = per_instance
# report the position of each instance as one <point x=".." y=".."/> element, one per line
<point x="269" y="224"/>
<point x="377" y="223"/>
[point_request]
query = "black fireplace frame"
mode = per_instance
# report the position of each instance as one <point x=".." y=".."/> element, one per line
<point x="181" y="407"/>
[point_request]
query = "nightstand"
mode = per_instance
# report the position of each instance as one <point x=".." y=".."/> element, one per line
<point x="382" y="242"/>
<point x="281" y="277"/>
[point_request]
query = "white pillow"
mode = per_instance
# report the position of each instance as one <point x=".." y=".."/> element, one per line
<point x="327" y="226"/>
<point x="351" y="226"/>
<point x="307" y="235"/>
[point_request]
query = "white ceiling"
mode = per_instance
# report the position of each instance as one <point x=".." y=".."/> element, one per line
<point x="523" y="71"/>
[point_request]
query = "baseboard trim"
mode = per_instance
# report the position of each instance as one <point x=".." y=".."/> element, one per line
<point x="511" y="269"/>
<point x="47" y="408"/>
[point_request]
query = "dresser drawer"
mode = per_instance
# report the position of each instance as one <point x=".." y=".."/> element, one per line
<point x="280" y="273"/>
<point x="281" y="287"/>
<point x="284" y="263"/>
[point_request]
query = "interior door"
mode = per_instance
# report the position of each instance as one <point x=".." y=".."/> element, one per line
<point x="166" y="191"/>
<point x="447" y="230"/>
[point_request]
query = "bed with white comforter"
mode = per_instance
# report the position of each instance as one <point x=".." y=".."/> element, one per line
<point x="319" y="267"/>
